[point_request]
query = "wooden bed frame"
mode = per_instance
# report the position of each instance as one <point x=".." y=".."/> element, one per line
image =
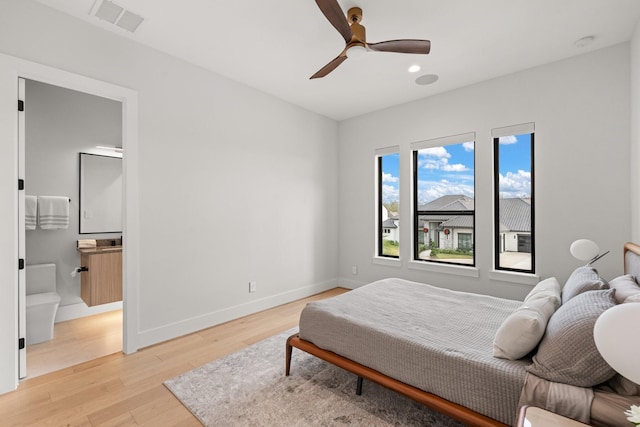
<point x="430" y="400"/>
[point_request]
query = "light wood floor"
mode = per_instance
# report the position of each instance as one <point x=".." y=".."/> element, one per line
<point x="127" y="390"/>
<point x="76" y="341"/>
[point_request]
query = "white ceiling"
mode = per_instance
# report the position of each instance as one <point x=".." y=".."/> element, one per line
<point x="275" y="46"/>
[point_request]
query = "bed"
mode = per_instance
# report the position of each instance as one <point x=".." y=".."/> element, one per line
<point x="457" y="352"/>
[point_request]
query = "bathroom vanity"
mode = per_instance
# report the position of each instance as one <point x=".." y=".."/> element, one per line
<point x="101" y="283"/>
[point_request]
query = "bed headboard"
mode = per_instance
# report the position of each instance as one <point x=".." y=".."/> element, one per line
<point x="632" y="260"/>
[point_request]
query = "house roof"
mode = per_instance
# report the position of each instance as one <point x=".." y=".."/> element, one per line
<point x="515" y="213"/>
<point x="452" y="202"/>
<point x="461" y="221"/>
<point x="390" y="223"/>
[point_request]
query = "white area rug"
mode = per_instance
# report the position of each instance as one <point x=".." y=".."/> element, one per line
<point x="249" y="388"/>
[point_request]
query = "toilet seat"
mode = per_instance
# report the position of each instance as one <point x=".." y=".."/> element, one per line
<point x="42" y="299"/>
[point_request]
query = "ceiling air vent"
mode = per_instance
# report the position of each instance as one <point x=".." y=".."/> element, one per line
<point x="115" y="14"/>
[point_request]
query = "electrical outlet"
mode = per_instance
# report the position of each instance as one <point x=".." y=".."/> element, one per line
<point x="252" y="286"/>
<point x="354" y="269"/>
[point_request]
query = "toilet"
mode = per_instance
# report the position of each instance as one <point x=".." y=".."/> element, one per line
<point x="42" y="302"/>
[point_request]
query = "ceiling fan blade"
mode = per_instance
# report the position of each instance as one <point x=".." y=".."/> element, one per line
<point x="402" y="46"/>
<point x="331" y="9"/>
<point x="330" y="66"/>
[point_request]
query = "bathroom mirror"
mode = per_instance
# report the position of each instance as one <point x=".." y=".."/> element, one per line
<point x="100" y="194"/>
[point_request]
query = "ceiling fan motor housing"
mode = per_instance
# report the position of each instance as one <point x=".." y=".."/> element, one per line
<point x="359" y="33"/>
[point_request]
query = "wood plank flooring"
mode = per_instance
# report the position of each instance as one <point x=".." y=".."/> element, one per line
<point x="76" y="341"/>
<point x="127" y="390"/>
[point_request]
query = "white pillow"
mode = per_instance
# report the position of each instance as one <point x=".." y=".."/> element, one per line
<point x="549" y="286"/>
<point x="522" y="331"/>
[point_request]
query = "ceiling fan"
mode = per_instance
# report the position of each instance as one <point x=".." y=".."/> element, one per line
<point x="354" y="35"/>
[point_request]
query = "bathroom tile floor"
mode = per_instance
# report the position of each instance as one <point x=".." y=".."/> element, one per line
<point x="76" y="341"/>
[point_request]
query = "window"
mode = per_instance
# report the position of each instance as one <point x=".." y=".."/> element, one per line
<point x="514" y="198"/>
<point x="443" y="193"/>
<point x="388" y="201"/>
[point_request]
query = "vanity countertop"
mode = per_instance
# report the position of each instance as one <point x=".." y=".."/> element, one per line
<point x="100" y="249"/>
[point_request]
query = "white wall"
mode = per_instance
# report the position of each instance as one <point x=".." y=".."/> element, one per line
<point x="61" y="123"/>
<point x="635" y="135"/>
<point x="580" y="107"/>
<point x="234" y="184"/>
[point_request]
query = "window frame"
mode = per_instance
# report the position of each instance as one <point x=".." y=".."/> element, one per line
<point x="415" y="148"/>
<point x="379" y="247"/>
<point x="525" y="128"/>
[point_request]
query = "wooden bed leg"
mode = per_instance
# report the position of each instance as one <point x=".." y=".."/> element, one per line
<point x="359" y="386"/>
<point x="289" y="350"/>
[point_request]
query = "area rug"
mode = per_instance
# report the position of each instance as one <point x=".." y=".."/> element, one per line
<point x="249" y="388"/>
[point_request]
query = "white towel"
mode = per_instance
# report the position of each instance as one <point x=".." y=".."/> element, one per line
<point x="30" y="212"/>
<point x="53" y="212"/>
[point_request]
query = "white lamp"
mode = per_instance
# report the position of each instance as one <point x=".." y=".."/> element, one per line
<point x="615" y="333"/>
<point x="586" y="250"/>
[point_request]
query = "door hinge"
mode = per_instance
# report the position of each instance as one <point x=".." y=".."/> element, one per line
<point x="21" y="264"/>
<point x="20" y="105"/>
<point x="21" y="344"/>
<point x="21" y="184"/>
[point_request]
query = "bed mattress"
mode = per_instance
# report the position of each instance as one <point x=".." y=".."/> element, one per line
<point x="435" y="339"/>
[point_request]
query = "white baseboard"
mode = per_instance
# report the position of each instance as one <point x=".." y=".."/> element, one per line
<point x="75" y="311"/>
<point x="194" y="324"/>
<point x="351" y="284"/>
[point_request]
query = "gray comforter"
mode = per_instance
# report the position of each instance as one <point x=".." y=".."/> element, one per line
<point x="432" y="338"/>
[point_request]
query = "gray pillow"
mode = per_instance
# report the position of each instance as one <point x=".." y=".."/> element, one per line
<point x="581" y="280"/>
<point x="625" y="287"/>
<point x="568" y="353"/>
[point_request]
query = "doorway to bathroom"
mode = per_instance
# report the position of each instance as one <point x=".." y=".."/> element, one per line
<point x="58" y="124"/>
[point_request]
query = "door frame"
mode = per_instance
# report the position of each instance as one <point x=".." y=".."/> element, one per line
<point x="11" y="69"/>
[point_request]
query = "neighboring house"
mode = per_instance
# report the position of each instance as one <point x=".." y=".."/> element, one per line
<point x="515" y="225"/>
<point x="390" y="225"/>
<point x="450" y="231"/>
<point x="447" y="231"/>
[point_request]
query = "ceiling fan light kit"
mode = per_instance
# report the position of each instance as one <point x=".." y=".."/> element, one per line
<point x="355" y="37"/>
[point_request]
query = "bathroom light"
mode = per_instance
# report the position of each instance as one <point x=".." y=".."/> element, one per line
<point x="104" y="147"/>
<point x="414" y="68"/>
<point x="586" y="250"/>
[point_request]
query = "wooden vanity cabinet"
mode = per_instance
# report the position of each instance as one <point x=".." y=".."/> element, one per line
<point x="102" y="284"/>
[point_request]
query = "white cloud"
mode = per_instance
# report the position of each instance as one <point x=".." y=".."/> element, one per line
<point x="431" y="190"/>
<point x="458" y="167"/>
<point x="387" y="177"/>
<point x="506" y="140"/>
<point x="437" y="158"/>
<point x="515" y="184"/>
<point x="440" y="152"/>
<point x="390" y="194"/>
<point x="468" y="146"/>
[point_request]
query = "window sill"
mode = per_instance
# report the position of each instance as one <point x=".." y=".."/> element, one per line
<point x="514" y="277"/>
<point x="390" y="262"/>
<point x="445" y="268"/>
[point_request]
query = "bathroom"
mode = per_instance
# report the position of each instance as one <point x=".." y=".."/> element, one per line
<point x="60" y="124"/>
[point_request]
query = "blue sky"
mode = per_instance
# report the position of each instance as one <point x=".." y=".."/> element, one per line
<point x="450" y="170"/>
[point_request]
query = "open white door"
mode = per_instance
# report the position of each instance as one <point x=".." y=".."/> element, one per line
<point x="22" y="288"/>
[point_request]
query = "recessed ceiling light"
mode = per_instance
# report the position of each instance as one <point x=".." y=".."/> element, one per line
<point x="414" y="68"/>
<point x="585" y="41"/>
<point x="427" y="79"/>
